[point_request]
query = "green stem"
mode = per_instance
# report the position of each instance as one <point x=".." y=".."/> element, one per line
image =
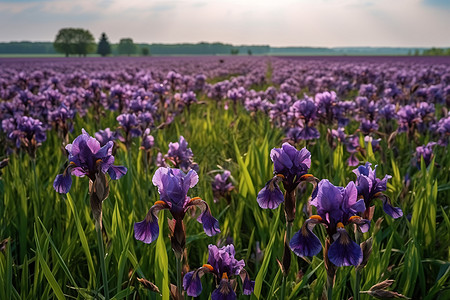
<point x="287" y="252"/>
<point x="356" y="295"/>
<point x="101" y="253"/>
<point x="283" y="288"/>
<point x="179" y="266"/>
<point x="329" y="288"/>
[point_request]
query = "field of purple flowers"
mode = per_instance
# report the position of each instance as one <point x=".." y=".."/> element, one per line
<point x="210" y="177"/>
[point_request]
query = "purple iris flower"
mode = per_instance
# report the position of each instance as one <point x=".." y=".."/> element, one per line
<point x="425" y="151"/>
<point x="181" y="156"/>
<point x="148" y="141"/>
<point x="221" y="187"/>
<point x="223" y="265"/>
<point x="105" y="136"/>
<point x="370" y="187"/>
<point x="25" y="132"/>
<point x="173" y="186"/>
<point x="291" y="167"/>
<point x="336" y="208"/>
<point x="87" y="158"/>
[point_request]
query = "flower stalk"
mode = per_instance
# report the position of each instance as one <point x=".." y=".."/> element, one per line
<point x="356" y="295"/>
<point x="101" y="252"/>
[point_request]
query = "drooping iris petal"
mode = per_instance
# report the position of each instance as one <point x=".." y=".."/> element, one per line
<point x="63" y="182"/>
<point x="352" y="161"/>
<point x="247" y="284"/>
<point x="305" y="242"/>
<point x="363" y="224"/>
<point x="343" y="251"/>
<point x="223" y="292"/>
<point x="394" y="212"/>
<point x="116" y="172"/>
<point x="210" y="224"/>
<point x="147" y="231"/>
<point x="270" y="196"/>
<point x="192" y="284"/>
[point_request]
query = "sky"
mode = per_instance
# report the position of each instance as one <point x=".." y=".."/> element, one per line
<point x="278" y="23"/>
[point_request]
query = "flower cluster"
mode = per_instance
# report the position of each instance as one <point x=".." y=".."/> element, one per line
<point x="336" y="208"/>
<point x="223" y="265"/>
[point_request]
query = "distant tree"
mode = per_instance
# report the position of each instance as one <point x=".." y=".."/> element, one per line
<point x="249" y="52"/>
<point x="416" y="52"/>
<point x="104" y="48"/>
<point x="74" y="41"/>
<point x="234" y="51"/>
<point x="126" y="46"/>
<point x="145" y="51"/>
<point x="64" y="41"/>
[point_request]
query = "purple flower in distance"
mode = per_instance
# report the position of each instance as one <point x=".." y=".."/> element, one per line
<point x="148" y="141"/>
<point x="25" y="132"/>
<point x="370" y="187"/>
<point x="221" y="187"/>
<point x="223" y="265"/>
<point x="425" y="151"/>
<point x="104" y="136"/>
<point x="181" y="156"/>
<point x="173" y="186"/>
<point x="87" y="158"/>
<point x="336" y="208"/>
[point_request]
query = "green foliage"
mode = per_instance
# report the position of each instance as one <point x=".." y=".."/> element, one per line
<point x="52" y="251"/>
<point x="74" y="41"/>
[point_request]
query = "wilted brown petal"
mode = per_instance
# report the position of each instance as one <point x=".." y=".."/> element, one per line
<point x="149" y="285"/>
<point x="382" y="285"/>
<point x="366" y="248"/>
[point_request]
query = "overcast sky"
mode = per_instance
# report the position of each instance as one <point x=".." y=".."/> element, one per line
<point x="324" y="23"/>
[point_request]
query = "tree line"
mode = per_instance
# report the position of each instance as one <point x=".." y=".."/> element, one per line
<point x="78" y="41"/>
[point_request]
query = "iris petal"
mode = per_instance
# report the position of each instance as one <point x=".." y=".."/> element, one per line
<point x="116" y="172"/>
<point x="394" y="212"/>
<point x="270" y="196"/>
<point x="344" y="251"/>
<point x="210" y="224"/>
<point x="223" y="292"/>
<point x="62" y="183"/>
<point x="147" y="231"/>
<point x="192" y="284"/>
<point x="305" y="242"/>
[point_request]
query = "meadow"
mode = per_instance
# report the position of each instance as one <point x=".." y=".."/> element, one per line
<point x="221" y="118"/>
